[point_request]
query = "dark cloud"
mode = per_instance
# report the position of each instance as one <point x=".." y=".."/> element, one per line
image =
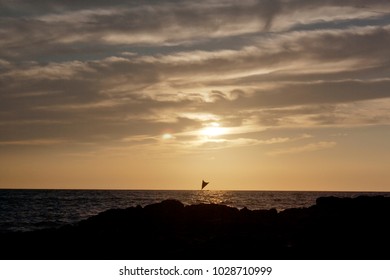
<point x="54" y="27"/>
<point x="324" y="93"/>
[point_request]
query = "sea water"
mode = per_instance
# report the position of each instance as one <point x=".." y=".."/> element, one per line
<point x="25" y="210"/>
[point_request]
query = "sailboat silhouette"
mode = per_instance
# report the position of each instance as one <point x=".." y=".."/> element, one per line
<point x="204" y="184"/>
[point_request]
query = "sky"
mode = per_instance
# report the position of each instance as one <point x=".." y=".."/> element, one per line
<point x="248" y="95"/>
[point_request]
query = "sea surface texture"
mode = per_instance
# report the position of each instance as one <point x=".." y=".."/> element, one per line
<point x="26" y="210"/>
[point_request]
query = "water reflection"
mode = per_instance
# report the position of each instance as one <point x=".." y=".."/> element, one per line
<point x="209" y="197"/>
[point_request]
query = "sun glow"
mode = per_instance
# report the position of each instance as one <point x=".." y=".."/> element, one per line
<point x="167" y="136"/>
<point x="213" y="130"/>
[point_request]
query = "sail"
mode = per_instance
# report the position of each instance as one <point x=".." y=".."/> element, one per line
<point x="204" y="184"/>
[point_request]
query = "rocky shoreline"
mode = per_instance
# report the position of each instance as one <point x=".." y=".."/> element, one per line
<point x="334" y="228"/>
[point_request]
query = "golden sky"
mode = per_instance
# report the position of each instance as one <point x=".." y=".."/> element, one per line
<point x="252" y="94"/>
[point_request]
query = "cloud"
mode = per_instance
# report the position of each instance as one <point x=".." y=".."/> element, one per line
<point x="224" y="143"/>
<point x="57" y="27"/>
<point x="303" y="149"/>
<point x="33" y="142"/>
<point x="113" y="71"/>
<point x="4" y="64"/>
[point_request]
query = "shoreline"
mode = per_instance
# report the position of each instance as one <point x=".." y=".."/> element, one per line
<point x="333" y="228"/>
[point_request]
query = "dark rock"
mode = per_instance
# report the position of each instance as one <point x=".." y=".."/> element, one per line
<point x="333" y="228"/>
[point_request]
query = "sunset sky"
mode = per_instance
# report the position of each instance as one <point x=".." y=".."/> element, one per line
<point x="249" y="94"/>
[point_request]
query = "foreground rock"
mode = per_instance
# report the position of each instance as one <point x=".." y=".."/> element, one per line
<point x="334" y="228"/>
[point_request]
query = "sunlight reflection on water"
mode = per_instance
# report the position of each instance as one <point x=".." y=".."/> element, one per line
<point x="206" y="196"/>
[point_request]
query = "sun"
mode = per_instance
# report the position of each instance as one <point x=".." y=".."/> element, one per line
<point x="213" y="130"/>
<point x="167" y="136"/>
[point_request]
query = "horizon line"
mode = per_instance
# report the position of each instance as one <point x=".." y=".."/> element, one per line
<point x="205" y="190"/>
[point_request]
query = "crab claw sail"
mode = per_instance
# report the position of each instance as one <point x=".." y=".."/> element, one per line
<point x="204" y="184"/>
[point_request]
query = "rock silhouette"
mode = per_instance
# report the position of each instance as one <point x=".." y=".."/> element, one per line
<point x="333" y="228"/>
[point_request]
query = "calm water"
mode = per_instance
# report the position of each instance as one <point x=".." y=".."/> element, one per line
<point x="23" y="210"/>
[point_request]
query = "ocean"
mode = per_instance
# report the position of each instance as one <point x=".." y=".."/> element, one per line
<point x="26" y="210"/>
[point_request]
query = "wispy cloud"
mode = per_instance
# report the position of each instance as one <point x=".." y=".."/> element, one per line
<point x="34" y="142"/>
<point x="59" y="25"/>
<point x="303" y="149"/>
